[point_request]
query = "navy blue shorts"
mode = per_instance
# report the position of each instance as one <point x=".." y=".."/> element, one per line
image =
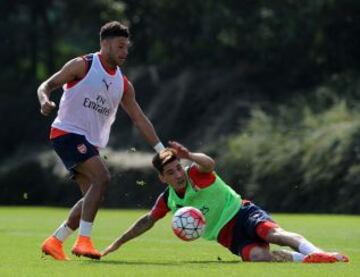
<point x="244" y="231"/>
<point x="73" y="149"/>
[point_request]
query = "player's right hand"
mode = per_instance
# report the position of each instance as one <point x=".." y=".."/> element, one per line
<point x="47" y="107"/>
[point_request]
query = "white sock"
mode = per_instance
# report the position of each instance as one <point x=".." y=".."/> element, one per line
<point x="63" y="232"/>
<point x="307" y="247"/>
<point x="297" y="257"/>
<point x="85" y="228"/>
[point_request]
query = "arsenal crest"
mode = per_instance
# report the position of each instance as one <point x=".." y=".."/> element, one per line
<point x="82" y="148"/>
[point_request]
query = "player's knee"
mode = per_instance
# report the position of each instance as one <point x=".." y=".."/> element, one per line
<point x="265" y="230"/>
<point x="277" y="236"/>
<point x="106" y="177"/>
<point x="256" y="252"/>
<point x="259" y="255"/>
<point x="103" y="179"/>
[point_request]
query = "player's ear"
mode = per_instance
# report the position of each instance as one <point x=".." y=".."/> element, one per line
<point x="161" y="177"/>
<point x="105" y="44"/>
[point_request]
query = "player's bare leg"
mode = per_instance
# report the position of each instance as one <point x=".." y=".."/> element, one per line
<point x="287" y="256"/>
<point x="262" y="254"/>
<point x="53" y="245"/>
<point x="95" y="171"/>
<point x="259" y="254"/>
<point x="312" y="254"/>
<point x="73" y="220"/>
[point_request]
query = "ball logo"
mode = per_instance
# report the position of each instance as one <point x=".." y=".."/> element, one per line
<point x="82" y="148"/>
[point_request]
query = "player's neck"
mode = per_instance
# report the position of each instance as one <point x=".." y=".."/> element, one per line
<point x="181" y="191"/>
<point x="106" y="63"/>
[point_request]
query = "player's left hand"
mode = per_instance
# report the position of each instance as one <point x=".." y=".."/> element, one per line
<point x="181" y="151"/>
<point x="111" y="248"/>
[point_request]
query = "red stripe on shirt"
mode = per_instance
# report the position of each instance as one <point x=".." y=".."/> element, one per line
<point x="226" y="233"/>
<point x="55" y="133"/>
<point x="160" y="209"/>
<point x="200" y="179"/>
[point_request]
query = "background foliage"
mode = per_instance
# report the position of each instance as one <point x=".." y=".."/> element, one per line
<point x="269" y="87"/>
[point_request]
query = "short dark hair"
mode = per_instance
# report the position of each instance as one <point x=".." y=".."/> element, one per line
<point x="114" y="29"/>
<point x="164" y="157"/>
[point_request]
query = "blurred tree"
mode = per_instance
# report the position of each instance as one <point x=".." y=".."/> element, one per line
<point x="290" y="42"/>
<point x="208" y="54"/>
<point x="39" y="36"/>
<point x="294" y="42"/>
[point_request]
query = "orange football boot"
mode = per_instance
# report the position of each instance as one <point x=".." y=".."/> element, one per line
<point x="324" y="257"/>
<point x="84" y="247"/>
<point x="53" y="247"/>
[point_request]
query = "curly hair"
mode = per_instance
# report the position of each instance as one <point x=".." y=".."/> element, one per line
<point x="114" y="29"/>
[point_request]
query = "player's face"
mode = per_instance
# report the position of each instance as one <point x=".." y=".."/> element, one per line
<point x="118" y="49"/>
<point x="174" y="175"/>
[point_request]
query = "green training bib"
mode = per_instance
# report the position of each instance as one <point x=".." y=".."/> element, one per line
<point x="218" y="202"/>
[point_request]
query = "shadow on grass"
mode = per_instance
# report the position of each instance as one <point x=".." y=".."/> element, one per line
<point x="162" y="263"/>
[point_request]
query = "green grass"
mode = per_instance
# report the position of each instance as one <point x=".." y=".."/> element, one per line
<point x="159" y="252"/>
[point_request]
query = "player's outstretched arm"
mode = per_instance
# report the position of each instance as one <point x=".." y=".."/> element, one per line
<point x="140" y="120"/>
<point x="203" y="161"/>
<point x="72" y="70"/>
<point x="142" y="225"/>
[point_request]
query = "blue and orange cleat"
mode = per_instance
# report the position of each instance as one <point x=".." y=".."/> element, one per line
<point x="325" y="257"/>
<point x="84" y="247"/>
<point x="53" y="247"/>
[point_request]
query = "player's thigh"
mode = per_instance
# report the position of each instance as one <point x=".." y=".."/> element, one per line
<point x="83" y="182"/>
<point x="280" y="236"/>
<point x="94" y="170"/>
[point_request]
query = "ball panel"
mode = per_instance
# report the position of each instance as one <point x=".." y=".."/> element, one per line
<point x="188" y="223"/>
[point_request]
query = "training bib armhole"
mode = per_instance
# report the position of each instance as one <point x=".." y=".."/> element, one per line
<point x="200" y="180"/>
<point x="87" y="64"/>
<point x="160" y="208"/>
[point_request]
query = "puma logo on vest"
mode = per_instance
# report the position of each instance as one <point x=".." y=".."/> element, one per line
<point x="107" y="85"/>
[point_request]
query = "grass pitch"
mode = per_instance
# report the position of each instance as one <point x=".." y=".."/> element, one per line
<point x="158" y="252"/>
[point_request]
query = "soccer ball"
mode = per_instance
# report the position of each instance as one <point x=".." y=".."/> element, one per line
<point x="188" y="223"/>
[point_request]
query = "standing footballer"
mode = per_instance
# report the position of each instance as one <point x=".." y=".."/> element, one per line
<point x="94" y="87"/>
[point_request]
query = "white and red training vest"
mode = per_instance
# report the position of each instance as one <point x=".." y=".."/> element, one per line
<point x="89" y="107"/>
